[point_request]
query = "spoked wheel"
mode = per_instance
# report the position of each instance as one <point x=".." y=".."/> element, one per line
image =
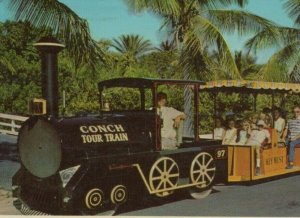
<point x="96" y="204"/>
<point x="202" y="173"/>
<point x="164" y="176"/>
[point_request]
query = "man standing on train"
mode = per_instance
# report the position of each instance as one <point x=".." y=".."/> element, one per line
<point x="171" y="121"/>
<point x="293" y="135"/>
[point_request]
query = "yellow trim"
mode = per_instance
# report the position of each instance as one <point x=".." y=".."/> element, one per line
<point x="277" y="173"/>
<point x="162" y="190"/>
<point x="113" y="196"/>
<point x="88" y="199"/>
<point x="234" y="178"/>
<point x="252" y="85"/>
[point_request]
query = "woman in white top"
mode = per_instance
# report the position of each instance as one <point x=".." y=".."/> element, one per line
<point x="244" y="133"/>
<point x="219" y="130"/>
<point x="230" y="133"/>
<point x="279" y="123"/>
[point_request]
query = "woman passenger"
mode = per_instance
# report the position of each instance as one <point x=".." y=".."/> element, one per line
<point x="230" y="133"/>
<point x="253" y="119"/>
<point x="279" y="123"/>
<point x="266" y="116"/>
<point x="219" y="131"/>
<point x="268" y="121"/>
<point x="243" y="133"/>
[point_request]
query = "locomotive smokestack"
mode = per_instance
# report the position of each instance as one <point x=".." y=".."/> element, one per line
<point x="49" y="47"/>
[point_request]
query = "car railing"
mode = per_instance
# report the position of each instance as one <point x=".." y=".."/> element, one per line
<point x="10" y="124"/>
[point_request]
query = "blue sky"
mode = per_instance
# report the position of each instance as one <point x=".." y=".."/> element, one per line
<point x="111" y="18"/>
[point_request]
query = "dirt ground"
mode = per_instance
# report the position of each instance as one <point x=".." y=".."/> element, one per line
<point x="6" y="205"/>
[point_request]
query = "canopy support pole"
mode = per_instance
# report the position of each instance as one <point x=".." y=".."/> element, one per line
<point x="215" y="96"/>
<point x="254" y="101"/>
<point x="272" y="108"/>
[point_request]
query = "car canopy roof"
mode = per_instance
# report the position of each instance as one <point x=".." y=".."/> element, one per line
<point x="250" y="86"/>
<point x="143" y="82"/>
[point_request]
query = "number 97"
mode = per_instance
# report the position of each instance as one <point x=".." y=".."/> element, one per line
<point x="221" y="153"/>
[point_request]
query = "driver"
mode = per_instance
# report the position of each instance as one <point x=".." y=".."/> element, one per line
<point x="171" y="121"/>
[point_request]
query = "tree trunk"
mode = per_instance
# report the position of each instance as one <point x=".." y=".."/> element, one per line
<point x="188" y="128"/>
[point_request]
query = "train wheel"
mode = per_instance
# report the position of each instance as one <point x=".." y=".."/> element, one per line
<point x="164" y="175"/>
<point x="119" y="194"/>
<point x="94" y="203"/>
<point x="94" y="198"/>
<point x="203" y="169"/>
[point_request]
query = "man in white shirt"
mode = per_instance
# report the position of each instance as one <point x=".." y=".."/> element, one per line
<point x="171" y="121"/>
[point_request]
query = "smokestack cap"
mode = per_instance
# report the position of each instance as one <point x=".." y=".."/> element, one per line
<point x="49" y="43"/>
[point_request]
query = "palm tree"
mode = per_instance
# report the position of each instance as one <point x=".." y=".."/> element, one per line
<point x="246" y="64"/>
<point x="166" y="46"/>
<point x="66" y="25"/>
<point x="196" y="24"/>
<point x="283" y="65"/>
<point x="131" y="47"/>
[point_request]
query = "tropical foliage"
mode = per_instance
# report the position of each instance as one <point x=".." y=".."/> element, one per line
<point x="284" y="64"/>
<point x="65" y="25"/>
<point x="195" y="49"/>
<point x="196" y="27"/>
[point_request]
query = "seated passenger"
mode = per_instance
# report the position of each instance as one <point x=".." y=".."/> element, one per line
<point x="219" y="131"/>
<point x="266" y="116"/>
<point x="279" y="123"/>
<point x="243" y="133"/>
<point x="268" y="121"/>
<point x="230" y="133"/>
<point x="171" y="121"/>
<point x="257" y="138"/>
<point x="293" y="136"/>
<point x="253" y="119"/>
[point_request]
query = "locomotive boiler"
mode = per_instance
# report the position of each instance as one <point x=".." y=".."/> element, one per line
<point x="93" y="163"/>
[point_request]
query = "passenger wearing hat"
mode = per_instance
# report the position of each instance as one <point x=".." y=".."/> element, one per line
<point x="257" y="138"/>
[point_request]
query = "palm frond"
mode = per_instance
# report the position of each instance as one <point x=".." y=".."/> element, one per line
<point x="281" y="64"/>
<point x="166" y="46"/>
<point x="132" y="44"/>
<point x="293" y="9"/>
<point x="295" y="73"/>
<point x="273" y="37"/>
<point x="65" y="24"/>
<point x="217" y="3"/>
<point x="157" y="6"/>
<point x="241" y="21"/>
<point x="5" y="63"/>
<point x="210" y="36"/>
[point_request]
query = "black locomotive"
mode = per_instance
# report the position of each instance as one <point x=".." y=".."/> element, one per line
<point x="92" y="163"/>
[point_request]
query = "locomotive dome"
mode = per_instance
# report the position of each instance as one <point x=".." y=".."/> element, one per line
<point x="40" y="148"/>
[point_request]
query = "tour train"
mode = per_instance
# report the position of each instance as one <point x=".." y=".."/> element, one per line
<point x="92" y="163"/>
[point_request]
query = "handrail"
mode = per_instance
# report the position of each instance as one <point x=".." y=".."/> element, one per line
<point x="10" y="124"/>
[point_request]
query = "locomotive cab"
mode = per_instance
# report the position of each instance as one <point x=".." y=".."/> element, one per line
<point x="94" y="163"/>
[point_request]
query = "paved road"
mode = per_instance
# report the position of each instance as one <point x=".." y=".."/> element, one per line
<point x="8" y="167"/>
<point x="279" y="197"/>
<point x="274" y="198"/>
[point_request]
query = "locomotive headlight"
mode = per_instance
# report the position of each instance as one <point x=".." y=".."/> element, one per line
<point x="67" y="174"/>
